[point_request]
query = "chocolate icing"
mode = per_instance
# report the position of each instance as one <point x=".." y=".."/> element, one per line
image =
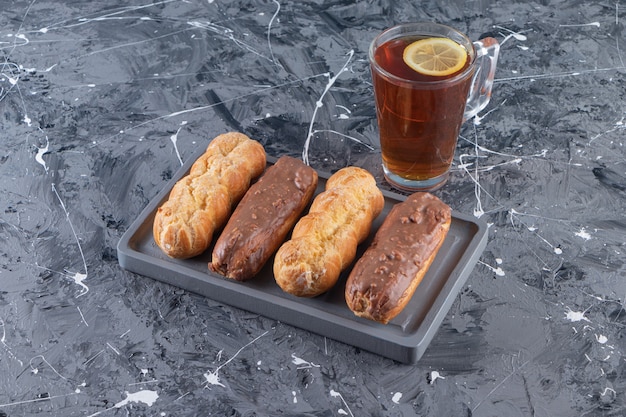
<point x="401" y="248"/>
<point x="263" y="218"/>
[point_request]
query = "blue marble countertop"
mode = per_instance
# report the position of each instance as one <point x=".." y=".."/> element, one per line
<point x="102" y="102"/>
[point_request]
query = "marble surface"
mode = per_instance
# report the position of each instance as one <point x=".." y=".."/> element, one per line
<point x="101" y="103"/>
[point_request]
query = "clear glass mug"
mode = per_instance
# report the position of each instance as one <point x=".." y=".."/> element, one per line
<point x="419" y="117"/>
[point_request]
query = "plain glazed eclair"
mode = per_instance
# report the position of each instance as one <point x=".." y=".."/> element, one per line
<point x="385" y="278"/>
<point x="325" y="240"/>
<point x="201" y="202"/>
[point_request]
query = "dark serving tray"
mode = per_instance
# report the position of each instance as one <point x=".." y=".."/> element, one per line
<point x="404" y="339"/>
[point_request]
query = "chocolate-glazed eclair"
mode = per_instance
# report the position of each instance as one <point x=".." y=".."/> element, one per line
<point x="384" y="279"/>
<point x="263" y="218"/>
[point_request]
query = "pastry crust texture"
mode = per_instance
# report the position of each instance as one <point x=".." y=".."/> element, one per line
<point x="201" y="202"/>
<point x="385" y="278"/>
<point x="263" y="218"/>
<point x="325" y="240"/>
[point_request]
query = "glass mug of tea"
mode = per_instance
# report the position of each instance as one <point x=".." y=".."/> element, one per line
<point x="428" y="79"/>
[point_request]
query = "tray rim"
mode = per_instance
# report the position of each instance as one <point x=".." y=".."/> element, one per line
<point x="406" y="348"/>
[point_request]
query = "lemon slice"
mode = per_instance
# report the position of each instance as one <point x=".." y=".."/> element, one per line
<point x="435" y="56"/>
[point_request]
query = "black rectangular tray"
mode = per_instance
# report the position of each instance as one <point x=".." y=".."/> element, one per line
<point x="404" y="339"/>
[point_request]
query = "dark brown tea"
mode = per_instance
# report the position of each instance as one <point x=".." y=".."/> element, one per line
<point x="419" y="115"/>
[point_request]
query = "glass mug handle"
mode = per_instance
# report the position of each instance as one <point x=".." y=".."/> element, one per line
<point x="487" y="50"/>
